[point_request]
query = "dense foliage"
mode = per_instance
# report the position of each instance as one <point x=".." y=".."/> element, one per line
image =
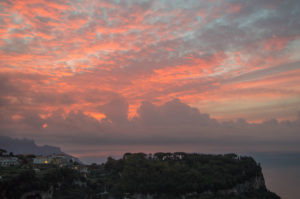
<point x="162" y="175"/>
<point x="25" y="181"/>
<point x="178" y="173"/>
<point x="59" y="181"/>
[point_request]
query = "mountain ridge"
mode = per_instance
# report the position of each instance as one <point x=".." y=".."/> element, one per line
<point x="27" y="146"/>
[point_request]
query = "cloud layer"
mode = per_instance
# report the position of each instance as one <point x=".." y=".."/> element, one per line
<point x="125" y="73"/>
<point x="173" y="126"/>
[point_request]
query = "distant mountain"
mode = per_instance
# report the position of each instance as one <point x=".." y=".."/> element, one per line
<point x="26" y="146"/>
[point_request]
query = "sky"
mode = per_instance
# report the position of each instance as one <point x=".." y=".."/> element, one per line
<point x="100" y="78"/>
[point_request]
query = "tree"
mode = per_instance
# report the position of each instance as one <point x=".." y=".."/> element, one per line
<point x="2" y="152"/>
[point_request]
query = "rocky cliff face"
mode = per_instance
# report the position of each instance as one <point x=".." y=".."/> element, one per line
<point x="252" y="184"/>
<point x="38" y="194"/>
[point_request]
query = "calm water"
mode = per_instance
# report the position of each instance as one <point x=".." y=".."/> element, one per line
<point x="283" y="181"/>
<point x="281" y="172"/>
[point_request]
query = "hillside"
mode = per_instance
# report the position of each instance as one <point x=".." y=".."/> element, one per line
<point x="190" y="175"/>
<point x="144" y="176"/>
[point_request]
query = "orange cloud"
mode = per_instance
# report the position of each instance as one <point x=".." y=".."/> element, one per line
<point x="276" y="43"/>
<point x="143" y="52"/>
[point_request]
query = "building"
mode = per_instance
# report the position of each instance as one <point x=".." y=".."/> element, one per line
<point x="9" y="161"/>
<point x="61" y="159"/>
<point x="81" y="169"/>
<point x="55" y="159"/>
<point x="41" y="160"/>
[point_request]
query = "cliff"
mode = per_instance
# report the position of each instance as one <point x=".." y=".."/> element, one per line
<point x="183" y="175"/>
<point x="146" y="176"/>
<point x="253" y="184"/>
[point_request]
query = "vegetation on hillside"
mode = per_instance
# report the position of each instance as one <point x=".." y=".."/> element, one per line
<point x="179" y="173"/>
<point x="162" y="175"/>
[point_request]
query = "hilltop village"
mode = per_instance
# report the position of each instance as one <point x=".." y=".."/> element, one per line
<point x="134" y="176"/>
<point x="37" y="163"/>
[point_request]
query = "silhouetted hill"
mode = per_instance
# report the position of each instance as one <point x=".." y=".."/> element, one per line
<point x="184" y="175"/>
<point x="26" y="146"/>
<point x="143" y="176"/>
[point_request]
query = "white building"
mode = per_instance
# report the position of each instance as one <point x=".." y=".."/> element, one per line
<point x="56" y="159"/>
<point x="8" y="161"/>
<point x="61" y="159"/>
<point x="41" y="160"/>
<point x="62" y="156"/>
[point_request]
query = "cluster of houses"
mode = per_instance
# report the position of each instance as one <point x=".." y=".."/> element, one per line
<point x="54" y="159"/>
<point x="60" y="160"/>
<point x="41" y="162"/>
<point x="9" y="161"/>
